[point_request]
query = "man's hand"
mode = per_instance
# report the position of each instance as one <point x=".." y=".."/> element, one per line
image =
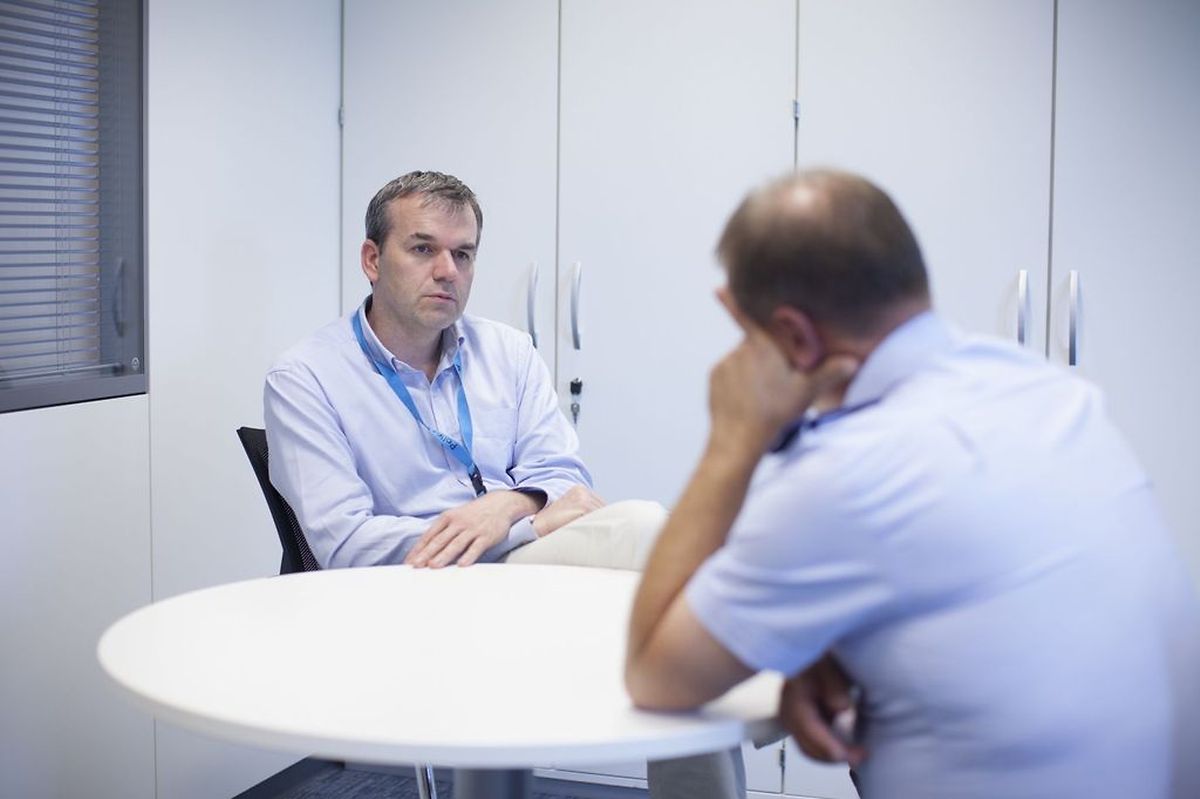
<point x="570" y="506"/>
<point x="810" y="706"/>
<point x="464" y="533"/>
<point x="754" y="391"/>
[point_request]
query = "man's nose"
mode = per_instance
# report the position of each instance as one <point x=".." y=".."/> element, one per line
<point x="444" y="267"/>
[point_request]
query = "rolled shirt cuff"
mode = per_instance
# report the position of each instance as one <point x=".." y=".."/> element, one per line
<point x="521" y="533"/>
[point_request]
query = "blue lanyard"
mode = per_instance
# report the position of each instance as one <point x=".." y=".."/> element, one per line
<point x="460" y="451"/>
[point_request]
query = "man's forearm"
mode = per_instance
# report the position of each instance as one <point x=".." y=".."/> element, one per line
<point x="523" y="503"/>
<point x="465" y="533"/>
<point x="672" y="659"/>
<point x="697" y="527"/>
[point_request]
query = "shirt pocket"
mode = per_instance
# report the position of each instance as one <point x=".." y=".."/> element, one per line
<point x="495" y="435"/>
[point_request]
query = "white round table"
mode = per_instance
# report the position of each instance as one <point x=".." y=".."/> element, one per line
<point x="491" y="669"/>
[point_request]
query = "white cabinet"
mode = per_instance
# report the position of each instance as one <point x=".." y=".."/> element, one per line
<point x="764" y="774"/>
<point x="1018" y="143"/>
<point x="946" y="105"/>
<point x="75" y="521"/>
<point x="1127" y="224"/>
<point x="470" y="89"/>
<point x="670" y="111"/>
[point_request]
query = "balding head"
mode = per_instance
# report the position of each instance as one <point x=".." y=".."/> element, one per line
<point x="830" y="244"/>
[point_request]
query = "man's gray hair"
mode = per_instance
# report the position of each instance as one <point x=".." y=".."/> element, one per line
<point x="445" y="190"/>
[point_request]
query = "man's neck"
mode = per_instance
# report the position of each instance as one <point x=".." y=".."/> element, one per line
<point x="861" y="347"/>
<point x="421" y="352"/>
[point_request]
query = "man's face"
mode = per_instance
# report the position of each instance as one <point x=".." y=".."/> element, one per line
<point x="421" y="273"/>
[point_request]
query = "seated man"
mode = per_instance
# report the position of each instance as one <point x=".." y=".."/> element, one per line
<point x="954" y="520"/>
<point x="407" y="432"/>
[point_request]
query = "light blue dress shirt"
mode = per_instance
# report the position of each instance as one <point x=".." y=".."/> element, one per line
<point x="982" y="551"/>
<point x="365" y="480"/>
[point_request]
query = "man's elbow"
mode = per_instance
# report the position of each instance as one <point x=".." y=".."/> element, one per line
<point x="653" y="689"/>
<point x="639" y="687"/>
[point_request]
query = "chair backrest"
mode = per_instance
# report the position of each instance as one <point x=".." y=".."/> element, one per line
<point x="297" y="557"/>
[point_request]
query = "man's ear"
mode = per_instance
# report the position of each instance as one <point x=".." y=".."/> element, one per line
<point x="370" y="260"/>
<point x="796" y="335"/>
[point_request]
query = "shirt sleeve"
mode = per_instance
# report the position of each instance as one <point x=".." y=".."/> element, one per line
<point x="546" y="450"/>
<point x="312" y="467"/>
<point x="796" y="574"/>
<point x="520" y="533"/>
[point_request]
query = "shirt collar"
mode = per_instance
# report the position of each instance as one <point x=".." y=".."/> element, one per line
<point x="901" y="353"/>
<point x="452" y="340"/>
<point x="904" y="351"/>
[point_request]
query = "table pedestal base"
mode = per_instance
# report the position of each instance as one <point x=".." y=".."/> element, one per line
<point x="492" y="783"/>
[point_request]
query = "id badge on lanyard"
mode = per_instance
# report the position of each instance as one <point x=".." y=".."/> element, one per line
<point x="460" y="451"/>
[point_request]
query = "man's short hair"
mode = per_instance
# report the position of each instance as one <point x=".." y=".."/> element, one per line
<point x="445" y="190"/>
<point x="828" y="243"/>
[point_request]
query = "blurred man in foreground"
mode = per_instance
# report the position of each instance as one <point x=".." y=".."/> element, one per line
<point x="947" y="522"/>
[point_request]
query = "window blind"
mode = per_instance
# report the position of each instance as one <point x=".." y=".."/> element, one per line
<point x="65" y="255"/>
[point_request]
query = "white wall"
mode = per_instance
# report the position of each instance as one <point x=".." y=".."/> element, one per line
<point x="243" y="253"/>
<point x="243" y="167"/>
<point x="75" y="538"/>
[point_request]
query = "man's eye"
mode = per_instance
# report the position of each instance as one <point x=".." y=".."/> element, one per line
<point x="466" y="256"/>
<point x="423" y="249"/>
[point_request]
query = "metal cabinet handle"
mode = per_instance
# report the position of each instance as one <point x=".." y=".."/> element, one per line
<point x="1022" y="305"/>
<point x="118" y="298"/>
<point x="531" y="304"/>
<point x="576" y="279"/>
<point x="1073" y="320"/>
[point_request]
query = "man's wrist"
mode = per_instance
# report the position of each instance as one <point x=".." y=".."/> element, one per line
<point x="525" y="504"/>
<point x="737" y="445"/>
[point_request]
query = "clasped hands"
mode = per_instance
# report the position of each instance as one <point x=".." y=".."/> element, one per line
<point x="816" y="708"/>
<point x="461" y="535"/>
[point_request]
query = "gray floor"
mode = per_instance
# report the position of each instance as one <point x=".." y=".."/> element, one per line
<point x="320" y="780"/>
<point x="339" y="783"/>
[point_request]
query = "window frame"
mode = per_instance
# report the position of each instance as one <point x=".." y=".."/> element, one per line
<point x="122" y="46"/>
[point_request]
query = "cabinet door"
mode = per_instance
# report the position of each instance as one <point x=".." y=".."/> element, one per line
<point x="764" y="772"/>
<point x="1127" y="223"/>
<point x="470" y="89"/>
<point x="946" y="105"/>
<point x="670" y="112"/>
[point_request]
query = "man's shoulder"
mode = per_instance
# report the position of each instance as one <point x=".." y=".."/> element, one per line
<point x="325" y="345"/>
<point x="492" y="337"/>
<point x="470" y="324"/>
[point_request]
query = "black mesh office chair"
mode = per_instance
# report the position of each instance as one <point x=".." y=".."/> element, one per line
<point x="297" y="557"/>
